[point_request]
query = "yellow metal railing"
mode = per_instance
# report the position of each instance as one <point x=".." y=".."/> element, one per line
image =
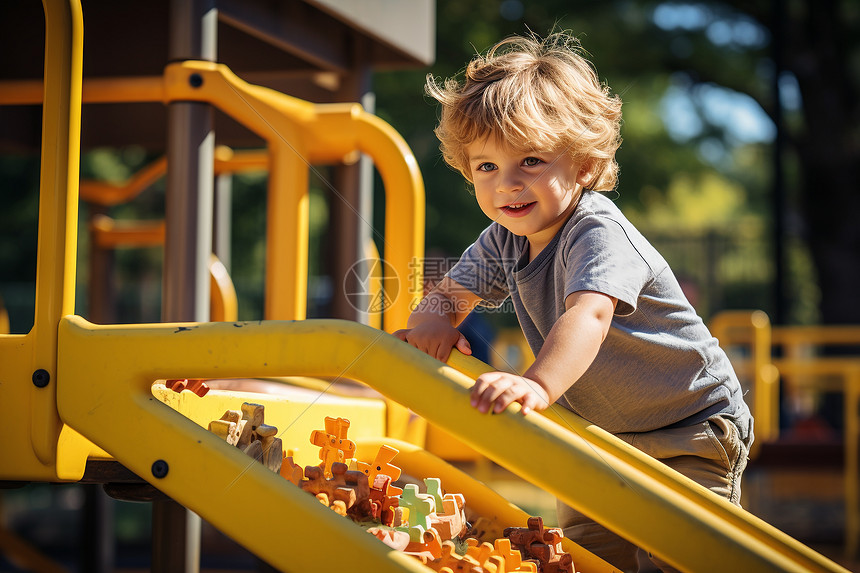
<point x="110" y="234"/>
<point x="613" y="447"/>
<point x="109" y="194"/>
<point x="298" y="134"/>
<point x="754" y="330"/>
<point x="224" y="304"/>
<point x="29" y="361"/>
<point x="792" y="354"/>
<point x="601" y="478"/>
<point x="803" y="368"/>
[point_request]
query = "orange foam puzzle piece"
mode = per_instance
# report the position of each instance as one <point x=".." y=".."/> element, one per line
<point x="195" y="385"/>
<point x="543" y="544"/>
<point x="333" y="444"/>
<point x="290" y="470"/>
<point x="428" y="547"/>
<point x="381" y="465"/>
<point x="451" y="561"/>
<point x="513" y="558"/>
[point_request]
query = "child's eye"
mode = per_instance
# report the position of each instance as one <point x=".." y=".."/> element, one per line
<point x="486" y="167"/>
<point x="531" y="161"/>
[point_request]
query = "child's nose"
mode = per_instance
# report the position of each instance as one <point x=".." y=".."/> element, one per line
<point x="510" y="183"/>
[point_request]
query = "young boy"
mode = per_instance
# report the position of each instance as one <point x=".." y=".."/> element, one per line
<point x="615" y="340"/>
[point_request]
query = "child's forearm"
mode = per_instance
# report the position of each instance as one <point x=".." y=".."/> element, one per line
<point x="433" y="307"/>
<point x="573" y="343"/>
<point x="448" y="300"/>
<point x="431" y="327"/>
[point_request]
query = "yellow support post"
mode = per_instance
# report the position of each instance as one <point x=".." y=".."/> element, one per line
<point x="28" y="382"/>
<point x="58" y="213"/>
<point x="224" y="304"/>
<point x="757" y="333"/>
<point x="287" y="229"/>
<point x="375" y="290"/>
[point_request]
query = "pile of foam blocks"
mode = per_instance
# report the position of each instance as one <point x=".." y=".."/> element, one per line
<point x="429" y="525"/>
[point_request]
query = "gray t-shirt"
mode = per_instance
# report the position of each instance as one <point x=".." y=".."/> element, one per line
<point x="659" y="365"/>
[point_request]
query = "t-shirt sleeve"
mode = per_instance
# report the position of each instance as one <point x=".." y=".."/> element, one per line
<point x="481" y="268"/>
<point x="602" y="258"/>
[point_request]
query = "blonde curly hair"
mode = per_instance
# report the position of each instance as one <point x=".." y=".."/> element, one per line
<point x="532" y="94"/>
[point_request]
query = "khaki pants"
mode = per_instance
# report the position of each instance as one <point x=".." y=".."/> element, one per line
<point x="711" y="454"/>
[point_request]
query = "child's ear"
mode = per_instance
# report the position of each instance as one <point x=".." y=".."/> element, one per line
<point x="587" y="173"/>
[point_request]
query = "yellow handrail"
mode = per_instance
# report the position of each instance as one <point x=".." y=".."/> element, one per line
<point x="109" y="233"/>
<point x="114" y="363"/>
<point x="615" y="447"/>
<point x="109" y="194"/>
<point x="300" y="134"/>
<point x="58" y="214"/>
<point x="817" y="335"/>
<point x="95" y="90"/>
<point x="847" y="371"/>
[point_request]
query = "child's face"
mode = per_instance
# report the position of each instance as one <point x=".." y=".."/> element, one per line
<point x="529" y="193"/>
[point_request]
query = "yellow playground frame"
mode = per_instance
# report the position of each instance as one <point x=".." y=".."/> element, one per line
<point x="83" y="391"/>
<point x="801" y="371"/>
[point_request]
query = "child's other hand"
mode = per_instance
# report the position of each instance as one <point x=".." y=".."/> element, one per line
<point x="435" y="338"/>
<point x="498" y="390"/>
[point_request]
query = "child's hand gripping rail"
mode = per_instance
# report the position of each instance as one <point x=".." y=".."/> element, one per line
<point x="103" y="392"/>
<point x="735" y="521"/>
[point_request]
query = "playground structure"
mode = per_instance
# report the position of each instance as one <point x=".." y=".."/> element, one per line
<point x="785" y="364"/>
<point x="93" y="393"/>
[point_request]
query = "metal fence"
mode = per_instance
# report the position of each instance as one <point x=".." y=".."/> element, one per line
<point x="719" y="270"/>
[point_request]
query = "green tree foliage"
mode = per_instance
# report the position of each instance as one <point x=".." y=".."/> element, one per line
<point x="697" y="83"/>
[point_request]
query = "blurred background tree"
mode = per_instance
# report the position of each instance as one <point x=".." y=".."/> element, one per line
<point x="736" y="116"/>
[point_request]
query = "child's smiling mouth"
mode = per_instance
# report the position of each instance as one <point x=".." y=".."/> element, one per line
<point x="518" y="209"/>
